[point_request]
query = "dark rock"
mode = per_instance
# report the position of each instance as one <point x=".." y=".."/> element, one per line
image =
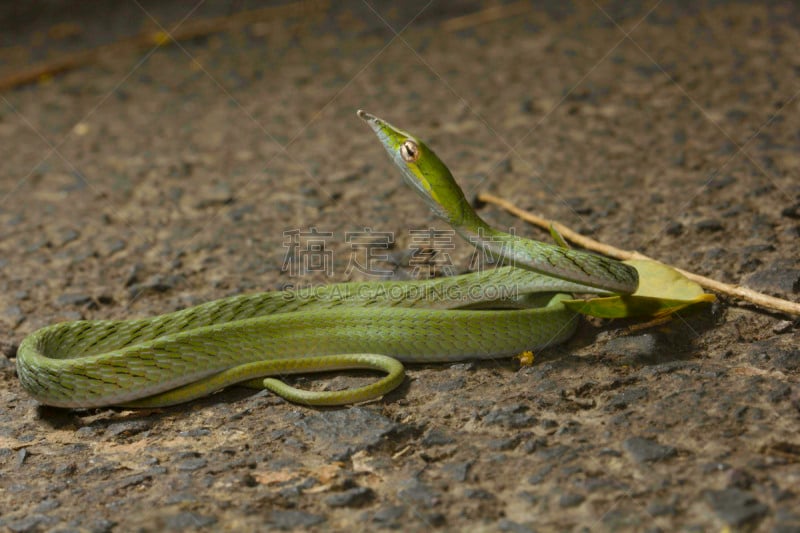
<point x="513" y="527"/>
<point x="539" y="476"/>
<point x="389" y="515"/>
<point x="674" y="229"/>
<point x="354" y="497"/>
<point x="128" y="429"/>
<point x="30" y="523"/>
<point x="437" y="437"/>
<point x="417" y="492"/>
<point x="644" y="450"/>
<point x="8" y="348"/>
<point x="736" y="507"/>
<point x="559" y="452"/>
<point x="347" y="431"/>
<point x="478" y="494"/>
<point x="458" y="471"/>
<point x="102" y="525"/>
<point x="640" y="349"/>
<point x="74" y="299"/>
<point x="571" y="500"/>
<point x="626" y="397"/>
<point x="188" y="520"/>
<point x="13" y="315"/>
<point x="294" y="519"/>
<point x="449" y="385"/>
<point x="513" y="417"/>
<point x="778" y="277"/>
<point x="662" y="509"/>
<point x="791" y="211"/>
<point x="711" y="225"/>
<point x="781" y="357"/>
<point x="190" y="465"/>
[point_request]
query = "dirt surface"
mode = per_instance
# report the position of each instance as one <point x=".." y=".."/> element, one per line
<point x="162" y="179"/>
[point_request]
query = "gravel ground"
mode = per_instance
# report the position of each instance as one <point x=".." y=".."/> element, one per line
<point x="163" y="178"/>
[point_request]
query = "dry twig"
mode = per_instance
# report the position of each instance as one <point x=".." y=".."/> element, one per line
<point x="736" y="291"/>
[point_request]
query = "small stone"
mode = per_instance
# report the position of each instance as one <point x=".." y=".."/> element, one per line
<point x="539" y="476"/>
<point x="571" y="500"/>
<point x="736" y="507"/>
<point x="674" y="229"/>
<point x="347" y="431"/>
<point x="778" y="277"/>
<point x="355" y="497"/>
<point x="437" y="437"/>
<point x="417" y="492"/>
<point x="13" y="315"/>
<point x="711" y="225"/>
<point x="128" y="429"/>
<point x="190" y="465"/>
<point x="28" y="524"/>
<point x="784" y="326"/>
<point x="458" y="471"/>
<point x="73" y="299"/>
<point x="503" y="444"/>
<point x="627" y="397"/>
<point x="389" y="515"/>
<point x="662" y="509"/>
<point x="189" y="520"/>
<point x="294" y="519"/>
<point x="478" y="494"/>
<point x="646" y="450"/>
<point x="509" y="526"/>
<point x="792" y="211"/>
<point x="638" y="349"/>
<point x="558" y="452"/>
<point x="513" y="417"/>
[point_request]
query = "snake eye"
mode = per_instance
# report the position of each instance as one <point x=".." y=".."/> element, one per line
<point x="410" y="151"/>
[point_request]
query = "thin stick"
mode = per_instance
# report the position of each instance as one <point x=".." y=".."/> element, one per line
<point x="486" y="15"/>
<point x="743" y="293"/>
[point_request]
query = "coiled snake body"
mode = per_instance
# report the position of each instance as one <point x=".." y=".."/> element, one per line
<point x="180" y="356"/>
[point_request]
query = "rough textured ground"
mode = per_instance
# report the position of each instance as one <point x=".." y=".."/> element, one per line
<point x="157" y="180"/>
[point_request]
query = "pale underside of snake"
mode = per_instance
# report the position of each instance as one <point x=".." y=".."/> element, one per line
<point x="177" y="357"/>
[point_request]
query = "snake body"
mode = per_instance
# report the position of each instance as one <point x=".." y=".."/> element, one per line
<point x="181" y="356"/>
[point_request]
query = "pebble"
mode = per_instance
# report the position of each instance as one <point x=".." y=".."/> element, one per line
<point x="513" y="417"/>
<point x="457" y="471"/>
<point x="389" y="515"/>
<point x="644" y="450"/>
<point x="290" y="519"/>
<point x="417" y="492"/>
<point x="736" y="507"/>
<point x="346" y="431"/>
<point x="662" y="509"/>
<point x="711" y="225"/>
<point x="73" y="299"/>
<point x="189" y="520"/>
<point x="437" y="437"/>
<point x="355" y="497"/>
<point x="571" y="500"/>
<point x="13" y="315"/>
<point x="128" y="429"/>
<point x="791" y="211"/>
<point x="638" y="349"/>
<point x="509" y="526"/>
<point x="190" y="465"/>
<point x="779" y="277"/>
<point x="627" y="397"/>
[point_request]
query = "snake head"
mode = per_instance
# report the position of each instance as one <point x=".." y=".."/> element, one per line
<point x="421" y="169"/>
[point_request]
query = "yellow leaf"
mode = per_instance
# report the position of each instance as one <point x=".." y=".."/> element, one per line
<point x="662" y="291"/>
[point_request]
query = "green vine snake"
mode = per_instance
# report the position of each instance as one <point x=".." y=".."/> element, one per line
<point x="177" y="357"/>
